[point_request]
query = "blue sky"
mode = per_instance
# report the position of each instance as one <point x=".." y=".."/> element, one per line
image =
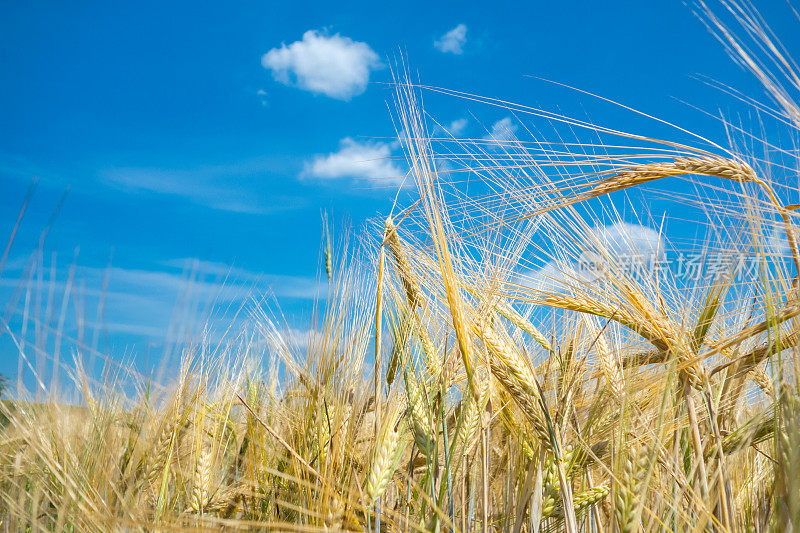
<point x="217" y="132"/>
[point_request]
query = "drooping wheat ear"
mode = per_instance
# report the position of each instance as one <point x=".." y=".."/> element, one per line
<point x="583" y="500"/>
<point x="628" y="488"/>
<point x="763" y="352"/>
<point x="750" y="433"/>
<point x="790" y="310"/>
<point x="721" y="167"/>
<point x="384" y="464"/>
<point x="752" y="363"/>
<point x="201" y="491"/>
<point x="655" y="328"/>
<point x="609" y="364"/>
<point x="652" y="356"/>
<point x="516" y="376"/>
<point x="397" y="247"/>
<point x="763" y="380"/>
<point x="511" y="314"/>
<point x="654" y="331"/>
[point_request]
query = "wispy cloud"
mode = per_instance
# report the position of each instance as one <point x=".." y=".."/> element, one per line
<point x="634" y="242"/>
<point x="370" y="160"/>
<point x="453" y="41"/>
<point x="335" y="66"/>
<point x="158" y="303"/>
<point x="221" y="187"/>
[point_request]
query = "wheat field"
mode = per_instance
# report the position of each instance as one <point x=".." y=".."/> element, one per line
<point x="485" y="358"/>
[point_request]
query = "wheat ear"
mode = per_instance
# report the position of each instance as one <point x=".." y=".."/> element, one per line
<point x="516" y="376"/>
<point x="202" y="480"/>
<point x="628" y="489"/>
<point x="656" y="329"/>
<point x="511" y="314"/>
<point x="389" y="450"/>
<point x="397" y="247"/>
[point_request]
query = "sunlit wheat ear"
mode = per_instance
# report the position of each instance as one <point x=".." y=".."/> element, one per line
<point x="715" y="166"/>
<point x="581" y="500"/>
<point x="763" y="380"/>
<point x="629" y="488"/>
<point x="471" y="421"/>
<point x="752" y="432"/>
<point x="159" y="463"/>
<point x="515" y="375"/>
<point x="522" y="323"/>
<point x="397" y="247"/>
<point x="389" y="449"/>
<point x="655" y="328"/>
<point x="656" y="332"/>
<point x="201" y="491"/>
<point x="418" y="412"/>
<point x="551" y="506"/>
<point x="752" y="364"/>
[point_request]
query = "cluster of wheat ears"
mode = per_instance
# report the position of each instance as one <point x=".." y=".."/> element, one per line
<point x="505" y="395"/>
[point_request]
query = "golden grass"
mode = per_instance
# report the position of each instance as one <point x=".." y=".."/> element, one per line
<point x="503" y="398"/>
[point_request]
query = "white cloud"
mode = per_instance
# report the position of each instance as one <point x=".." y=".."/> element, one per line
<point x="335" y="66"/>
<point x="502" y="131"/>
<point x="359" y="160"/>
<point x="176" y="295"/>
<point x="552" y="277"/>
<point x="232" y="187"/>
<point x="458" y="126"/>
<point x="453" y="41"/>
<point x="631" y="245"/>
<point x="622" y="238"/>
